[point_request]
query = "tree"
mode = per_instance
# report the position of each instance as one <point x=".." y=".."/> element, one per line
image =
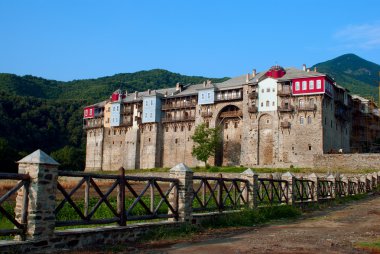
<point x="206" y="141"/>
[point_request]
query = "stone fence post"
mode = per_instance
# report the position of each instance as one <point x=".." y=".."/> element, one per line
<point x="291" y="179"/>
<point x="332" y="179"/>
<point x="344" y="179"/>
<point x="363" y="179"/>
<point x="369" y="181"/>
<point x="314" y="178"/>
<point x="251" y="192"/>
<point x="185" y="192"/>
<point x="43" y="172"/>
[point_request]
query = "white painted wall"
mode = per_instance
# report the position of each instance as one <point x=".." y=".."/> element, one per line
<point x="268" y="84"/>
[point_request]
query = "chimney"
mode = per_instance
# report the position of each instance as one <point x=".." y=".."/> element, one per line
<point x="308" y="69"/>
<point x="315" y="68"/>
<point x="253" y="73"/>
<point x="136" y="93"/>
<point x="247" y="78"/>
<point x="204" y="84"/>
<point x="166" y="93"/>
<point x="304" y="67"/>
<point x="126" y="93"/>
<point x="208" y="82"/>
<point x="149" y="91"/>
<point x="178" y="87"/>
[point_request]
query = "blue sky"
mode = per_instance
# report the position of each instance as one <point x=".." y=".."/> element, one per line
<point x="68" y="40"/>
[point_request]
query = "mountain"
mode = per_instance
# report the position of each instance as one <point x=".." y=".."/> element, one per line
<point x="94" y="89"/>
<point x="354" y="73"/>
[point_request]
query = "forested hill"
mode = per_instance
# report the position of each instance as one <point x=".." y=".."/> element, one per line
<point x="94" y="89"/>
<point x="47" y="114"/>
<point x="354" y="73"/>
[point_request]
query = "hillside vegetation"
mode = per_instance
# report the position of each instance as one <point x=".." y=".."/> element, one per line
<point x="47" y="114"/>
<point x="354" y="73"/>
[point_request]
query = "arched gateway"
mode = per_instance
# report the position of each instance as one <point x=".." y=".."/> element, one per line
<point x="229" y="121"/>
<point x="266" y="140"/>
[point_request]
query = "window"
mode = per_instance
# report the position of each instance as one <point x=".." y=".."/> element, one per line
<point x="151" y="115"/>
<point x="189" y="127"/>
<point x="175" y="128"/>
<point x="301" y="120"/>
<point x="226" y="126"/>
<point x="309" y="120"/>
<point x="319" y="84"/>
<point x="208" y="95"/>
<point x="301" y="103"/>
<point x="262" y="104"/>
<point x="151" y="102"/>
<point x="146" y="103"/>
<point x="262" y="90"/>
<point x="203" y="96"/>
<point x="235" y="124"/>
<point x="325" y="120"/>
<point x="267" y="104"/>
<point x="146" y="115"/>
<point x="311" y="84"/>
<point x="272" y="103"/>
<point x="304" y="85"/>
<point x="273" y="90"/>
<point x="176" y="140"/>
<point x="297" y="88"/>
<point x="149" y="139"/>
<point x="182" y="128"/>
<point x="268" y="90"/>
<point x="166" y="129"/>
<point x="309" y="147"/>
<point x="331" y="123"/>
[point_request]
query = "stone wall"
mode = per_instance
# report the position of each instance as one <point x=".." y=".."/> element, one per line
<point x="348" y="161"/>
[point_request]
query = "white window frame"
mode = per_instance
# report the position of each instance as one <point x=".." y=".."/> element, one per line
<point x="304" y="85"/>
<point x="297" y="86"/>
<point x="319" y="84"/>
<point x="311" y="84"/>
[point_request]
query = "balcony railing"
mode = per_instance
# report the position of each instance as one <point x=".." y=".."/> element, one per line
<point x="229" y="97"/>
<point x="285" y="125"/>
<point x="284" y="92"/>
<point x="288" y="108"/>
<point x="206" y="114"/>
<point x="127" y="110"/>
<point x="252" y="109"/>
<point x="253" y="95"/>
<point x="127" y="122"/>
<point x="92" y="125"/>
<point x="307" y="107"/>
<point x="230" y="114"/>
<point x="178" y="119"/>
<point x="188" y="104"/>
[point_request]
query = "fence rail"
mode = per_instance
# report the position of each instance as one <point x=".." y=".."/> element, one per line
<point x="272" y="191"/>
<point x="218" y="193"/>
<point x="125" y="198"/>
<point x="20" y="223"/>
<point x="304" y="190"/>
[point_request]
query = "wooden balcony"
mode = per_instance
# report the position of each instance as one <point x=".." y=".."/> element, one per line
<point x="231" y="114"/>
<point x="284" y="93"/>
<point x="170" y="106"/>
<point x="307" y="107"/>
<point x="253" y="95"/>
<point x="88" y="126"/>
<point x="127" y="110"/>
<point x="285" y="125"/>
<point x="206" y="114"/>
<point x="252" y="109"/>
<point x="178" y="119"/>
<point x="284" y="109"/>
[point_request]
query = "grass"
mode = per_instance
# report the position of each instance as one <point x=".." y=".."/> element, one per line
<point x="373" y="247"/>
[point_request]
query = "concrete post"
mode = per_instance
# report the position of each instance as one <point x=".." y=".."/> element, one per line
<point x="251" y="193"/>
<point x="344" y="179"/>
<point x="332" y="179"/>
<point x="185" y="191"/>
<point x="314" y="178"/>
<point x="43" y="172"/>
<point x="291" y="179"/>
<point x="374" y="180"/>
<point x="356" y="188"/>
<point x="369" y="181"/>
<point x="363" y="179"/>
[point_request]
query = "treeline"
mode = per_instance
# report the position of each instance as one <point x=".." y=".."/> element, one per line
<point x="28" y="123"/>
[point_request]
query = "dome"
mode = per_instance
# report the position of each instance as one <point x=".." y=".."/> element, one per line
<point x="275" y="72"/>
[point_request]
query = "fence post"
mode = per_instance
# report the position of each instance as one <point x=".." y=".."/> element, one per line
<point x="185" y="192"/>
<point x="344" y="179"/>
<point x="121" y="198"/>
<point x="291" y="179"/>
<point x="314" y="178"/>
<point x="332" y="179"/>
<point x="368" y="181"/>
<point x="374" y="180"/>
<point x="251" y="191"/>
<point x="363" y="179"/>
<point x="356" y="188"/>
<point x="43" y="172"/>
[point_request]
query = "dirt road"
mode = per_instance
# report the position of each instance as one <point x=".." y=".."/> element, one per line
<point x="334" y="230"/>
